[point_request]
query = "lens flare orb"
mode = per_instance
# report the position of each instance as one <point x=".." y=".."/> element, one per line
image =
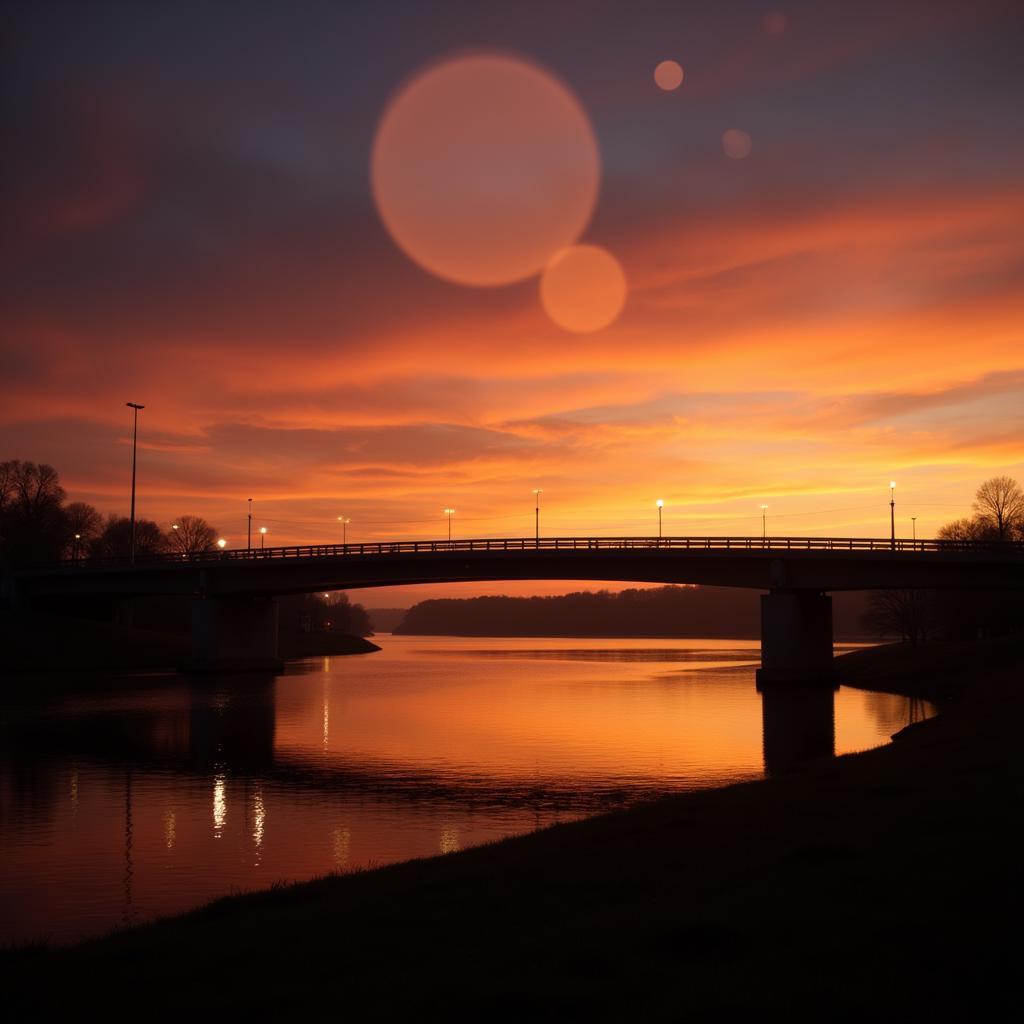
<point x="483" y="167"/>
<point x="583" y="288"/>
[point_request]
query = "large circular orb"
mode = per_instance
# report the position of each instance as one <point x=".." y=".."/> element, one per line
<point x="483" y="167"/>
<point x="583" y="288"/>
<point x="668" y="75"/>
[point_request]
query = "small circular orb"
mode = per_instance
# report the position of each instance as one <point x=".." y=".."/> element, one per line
<point x="736" y="144"/>
<point x="483" y="167"/>
<point x="774" y="23"/>
<point x="668" y="75"/>
<point x="583" y="288"/>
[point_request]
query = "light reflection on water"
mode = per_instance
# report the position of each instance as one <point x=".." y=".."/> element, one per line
<point x="150" y="796"/>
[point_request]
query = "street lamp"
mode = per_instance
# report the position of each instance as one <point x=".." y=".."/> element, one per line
<point x="344" y="520"/>
<point x="537" y="492"/>
<point x="449" y="512"/>
<point x="222" y="543"/>
<point x="913" y="527"/>
<point x="892" y="514"/>
<point x="135" y="436"/>
<point x="661" y="505"/>
<point x="78" y="537"/>
<point x="263" y="536"/>
<point x="764" y="523"/>
<point x="248" y="532"/>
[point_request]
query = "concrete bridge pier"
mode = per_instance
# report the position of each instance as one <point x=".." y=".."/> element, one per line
<point x="796" y="638"/>
<point x="234" y="634"/>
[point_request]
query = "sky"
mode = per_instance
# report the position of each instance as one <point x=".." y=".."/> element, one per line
<point x="200" y="216"/>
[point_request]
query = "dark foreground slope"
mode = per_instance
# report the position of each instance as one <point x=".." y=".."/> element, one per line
<point x="880" y="885"/>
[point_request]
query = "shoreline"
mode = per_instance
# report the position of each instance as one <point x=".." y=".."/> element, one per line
<point x="766" y="894"/>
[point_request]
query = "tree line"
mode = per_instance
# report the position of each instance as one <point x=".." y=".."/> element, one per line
<point x="38" y="525"/>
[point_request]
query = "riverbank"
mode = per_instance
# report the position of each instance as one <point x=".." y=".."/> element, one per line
<point x="875" y="884"/>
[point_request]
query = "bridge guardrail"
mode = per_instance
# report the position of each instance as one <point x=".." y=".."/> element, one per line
<point x="547" y="544"/>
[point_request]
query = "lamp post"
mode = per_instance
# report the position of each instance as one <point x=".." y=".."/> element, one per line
<point x="449" y="512"/>
<point x="892" y="514"/>
<point x="248" y="532"/>
<point x="222" y="543"/>
<point x="764" y="523"/>
<point x="78" y="537"/>
<point x="913" y="528"/>
<point x="263" y="536"/>
<point x="135" y="436"/>
<point x="344" y="520"/>
<point x="661" y="505"/>
<point x="537" y="492"/>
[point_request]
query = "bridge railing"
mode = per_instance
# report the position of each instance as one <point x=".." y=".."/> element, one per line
<point x="549" y="544"/>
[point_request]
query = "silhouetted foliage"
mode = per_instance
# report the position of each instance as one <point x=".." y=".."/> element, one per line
<point x="190" y="535"/>
<point x="84" y="524"/>
<point x="33" y="522"/>
<point x="966" y="529"/>
<point x="999" y="503"/>
<point x="115" y="540"/>
<point x="656" y="611"/>
<point x="313" y="613"/>
<point x="908" y="614"/>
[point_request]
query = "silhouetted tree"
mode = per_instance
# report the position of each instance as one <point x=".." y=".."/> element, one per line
<point x="966" y="529"/>
<point x="84" y="524"/>
<point x="313" y="613"/>
<point x="115" y="540"/>
<point x="1000" y="503"/>
<point x="908" y="614"/>
<point x="33" y="523"/>
<point x="191" y="535"/>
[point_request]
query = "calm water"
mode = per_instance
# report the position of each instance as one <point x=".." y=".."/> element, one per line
<point x="148" y="797"/>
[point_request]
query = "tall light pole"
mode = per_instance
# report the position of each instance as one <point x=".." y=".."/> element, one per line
<point x="764" y="523"/>
<point x="135" y="437"/>
<point x="913" y="527"/>
<point x="661" y="505"/>
<point x="892" y="514"/>
<point x="248" y="532"/>
<point x="537" y="492"/>
<point x="344" y="520"/>
<point x="449" y="512"/>
<point x="263" y="536"/>
<point x="78" y="537"/>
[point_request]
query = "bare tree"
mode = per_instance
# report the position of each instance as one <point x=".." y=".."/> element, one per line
<point x="32" y="520"/>
<point x="83" y="525"/>
<point x="1000" y="502"/>
<point x="115" y="540"/>
<point x="967" y="529"/>
<point x="190" y="535"/>
<point x="908" y="614"/>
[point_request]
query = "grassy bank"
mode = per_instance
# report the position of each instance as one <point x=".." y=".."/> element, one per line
<point x="876" y="885"/>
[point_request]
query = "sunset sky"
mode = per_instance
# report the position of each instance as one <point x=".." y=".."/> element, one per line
<point x="190" y="224"/>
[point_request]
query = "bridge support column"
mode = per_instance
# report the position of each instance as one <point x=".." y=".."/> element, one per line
<point x="796" y="638"/>
<point x="234" y="634"/>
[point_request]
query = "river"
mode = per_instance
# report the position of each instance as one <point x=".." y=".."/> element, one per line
<point x="133" y="798"/>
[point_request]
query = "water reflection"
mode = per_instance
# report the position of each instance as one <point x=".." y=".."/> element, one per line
<point x="147" y="797"/>
<point x="798" y="725"/>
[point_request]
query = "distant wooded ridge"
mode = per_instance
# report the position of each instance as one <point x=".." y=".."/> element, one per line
<point x="662" y="611"/>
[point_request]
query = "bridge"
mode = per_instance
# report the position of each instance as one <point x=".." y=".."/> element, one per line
<point x="234" y="612"/>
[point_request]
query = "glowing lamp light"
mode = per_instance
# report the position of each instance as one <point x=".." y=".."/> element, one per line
<point x="222" y="543"/>
<point x="892" y="485"/>
<point x="660" y="503"/>
<point x="263" y="529"/>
